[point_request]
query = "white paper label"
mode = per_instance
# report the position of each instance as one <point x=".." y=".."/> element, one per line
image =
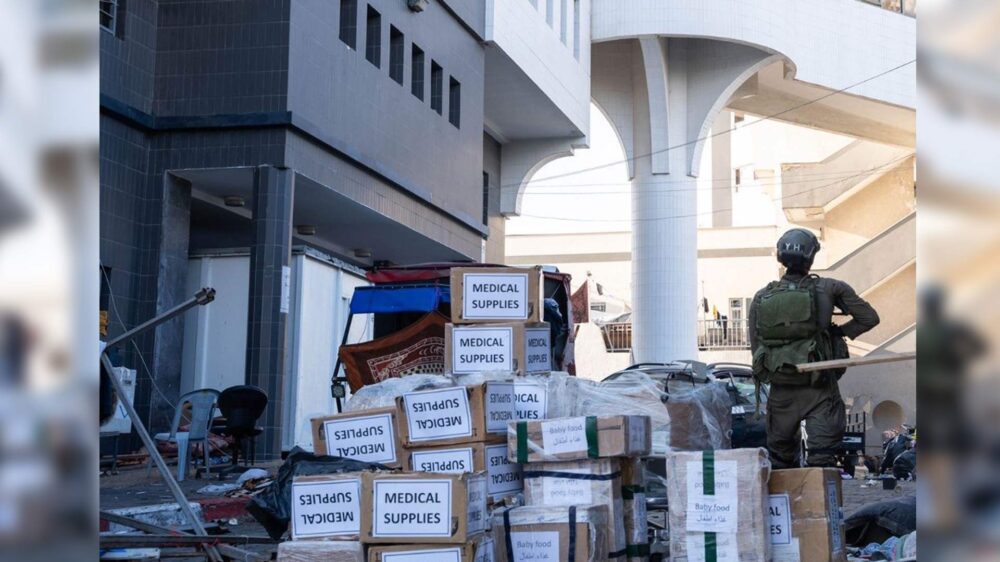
<point x="786" y="552"/>
<point x="364" y="438"/>
<point x="412" y="508"/>
<point x="779" y="509"/>
<point x="529" y="547"/>
<point x="739" y="409"/>
<point x="537" y="350"/>
<point x="478" y="517"/>
<point x="484" y="551"/>
<point x="503" y="476"/>
<point x="834" y="515"/>
<point x="726" y="547"/>
<point x="435" y="555"/>
<point x="568" y="435"/>
<point x="717" y="513"/>
<point x="286" y="288"/>
<point x="637" y="437"/>
<point x="438" y="414"/>
<point x="445" y="461"/>
<point x="326" y="509"/>
<point x="508" y="401"/>
<point x="477" y="350"/>
<point x="567" y="491"/>
<point x="495" y="296"/>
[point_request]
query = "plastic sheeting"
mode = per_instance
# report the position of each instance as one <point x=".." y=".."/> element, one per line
<point x="384" y="394"/>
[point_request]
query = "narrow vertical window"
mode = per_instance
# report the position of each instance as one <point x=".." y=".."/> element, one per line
<point x="396" y="54"/>
<point x="454" y="102"/>
<point x="417" y="68"/>
<point x="563" y="20"/>
<point x="486" y="198"/>
<point x="437" y="87"/>
<point x="576" y="29"/>
<point x="373" y="37"/>
<point x="349" y="23"/>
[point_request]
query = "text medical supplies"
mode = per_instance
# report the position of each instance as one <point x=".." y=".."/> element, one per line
<point x="589" y="482"/>
<point x="320" y="551"/>
<point x="588" y="437"/>
<point x="718" y="505"/>
<point x="364" y="435"/>
<point x="806" y="519"/>
<point x="422" y="508"/>
<point x="480" y="549"/>
<point x="634" y="501"/>
<point x="442" y="416"/>
<point x="551" y="534"/>
<point x="487" y="348"/>
<point x="326" y="507"/>
<point x="496" y="294"/>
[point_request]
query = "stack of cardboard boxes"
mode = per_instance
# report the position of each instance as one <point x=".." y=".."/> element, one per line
<point x="577" y="472"/>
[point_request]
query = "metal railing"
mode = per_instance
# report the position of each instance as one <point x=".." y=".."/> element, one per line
<point x="723" y="334"/>
<point x="905" y="7"/>
<point x="617" y="336"/>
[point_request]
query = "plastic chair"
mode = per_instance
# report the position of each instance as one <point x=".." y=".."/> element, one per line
<point x="203" y="403"/>
<point x="242" y="406"/>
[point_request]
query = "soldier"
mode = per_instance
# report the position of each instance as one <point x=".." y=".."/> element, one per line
<point x="790" y="323"/>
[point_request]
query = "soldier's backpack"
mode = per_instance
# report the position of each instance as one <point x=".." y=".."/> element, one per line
<point x="788" y="332"/>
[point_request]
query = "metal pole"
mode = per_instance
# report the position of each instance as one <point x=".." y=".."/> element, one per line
<point x="203" y="296"/>
<point x="336" y="367"/>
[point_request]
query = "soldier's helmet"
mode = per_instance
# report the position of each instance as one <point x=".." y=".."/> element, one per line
<point x="797" y="248"/>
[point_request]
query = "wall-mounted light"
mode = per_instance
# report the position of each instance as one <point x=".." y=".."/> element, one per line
<point x="417" y="5"/>
<point x="234" y="201"/>
<point x="363" y="253"/>
<point x="306" y="229"/>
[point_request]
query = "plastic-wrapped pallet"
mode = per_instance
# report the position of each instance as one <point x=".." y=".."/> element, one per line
<point x="551" y="534"/>
<point x="719" y="505"/>
<point x="320" y="551"/>
<point x="384" y="394"/>
<point x="586" y="482"/>
<point x="701" y="418"/>
<point x="634" y="504"/>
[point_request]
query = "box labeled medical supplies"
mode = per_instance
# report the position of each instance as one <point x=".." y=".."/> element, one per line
<point x="588" y="482"/>
<point x="806" y="519"/>
<point x="326" y="507"/>
<point x="718" y="505"/>
<point x="503" y="477"/>
<point x="496" y="294"/>
<point x="478" y="550"/>
<point x="320" y="551"/>
<point x="566" y="439"/>
<point x="422" y="508"/>
<point x="442" y="416"/>
<point x="509" y="348"/>
<point x="520" y="399"/>
<point x="551" y="534"/>
<point x="365" y="435"/>
<point x="634" y="502"/>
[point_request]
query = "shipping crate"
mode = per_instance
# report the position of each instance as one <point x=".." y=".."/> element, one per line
<point x="579" y="438"/>
<point x="503" y="478"/>
<point x="320" y="551"/>
<point x="496" y="294"/>
<point x="326" y="507"/>
<point x="542" y="534"/>
<point x="422" y="508"/>
<point x="443" y="416"/>
<point x="509" y="348"/>
<point x="806" y="518"/>
<point x="718" y="505"/>
<point x="365" y="435"/>
<point x="478" y="550"/>
<point x="519" y="399"/>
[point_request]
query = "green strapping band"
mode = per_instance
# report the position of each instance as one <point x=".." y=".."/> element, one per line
<point x="708" y="488"/>
<point x="593" y="450"/>
<point x="629" y="491"/>
<point x="637" y="550"/>
<point x="522" y="442"/>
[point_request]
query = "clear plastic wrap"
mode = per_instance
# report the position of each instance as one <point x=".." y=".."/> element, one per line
<point x="719" y="501"/>
<point x="535" y="533"/>
<point x="580" y="482"/>
<point x="320" y="551"/>
<point x="384" y="394"/>
<point x="634" y="504"/>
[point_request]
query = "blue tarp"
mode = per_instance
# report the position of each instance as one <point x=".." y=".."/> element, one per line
<point x="395" y="298"/>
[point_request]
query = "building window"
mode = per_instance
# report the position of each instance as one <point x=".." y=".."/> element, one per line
<point x="417" y="67"/>
<point x="396" y="54"/>
<point x="437" y="87"/>
<point x="599" y="306"/>
<point x="486" y="198"/>
<point x="737" y="178"/>
<point x="373" y="37"/>
<point x="576" y="29"/>
<point x="349" y="23"/>
<point x="454" y="102"/>
<point x="109" y="16"/>
<point x="563" y="21"/>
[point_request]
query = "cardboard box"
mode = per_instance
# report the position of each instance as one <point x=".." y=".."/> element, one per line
<point x="719" y="495"/>
<point x="365" y="435"/>
<point x="514" y="347"/>
<point x="478" y="550"/>
<point x="320" y="551"/>
<point x="422" y="508"/>
<point x="326" y="507"/>
<point x="519" y="399"/>
<point x="589" y="482"/>
<point x="496" y="294"/>
<point x="503" y="478"/>
<point x="634" y="501"/>
<point x="541" y="534"/>
<point x="806" y="518"/>
<point x="579" y="438"/>
<point x="443" y="416"/>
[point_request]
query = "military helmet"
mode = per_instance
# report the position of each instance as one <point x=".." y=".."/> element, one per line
<point x="797" y="247"/>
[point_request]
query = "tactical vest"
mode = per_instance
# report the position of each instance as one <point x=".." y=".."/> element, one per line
<point x="788" y="332"/>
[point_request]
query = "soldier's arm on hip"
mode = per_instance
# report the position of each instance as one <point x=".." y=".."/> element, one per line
<point x="863" y="315"/>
